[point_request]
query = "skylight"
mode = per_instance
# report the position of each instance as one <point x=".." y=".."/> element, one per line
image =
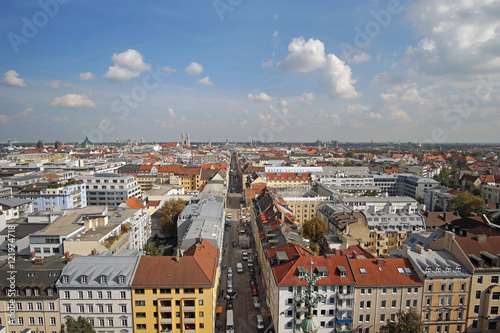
<point x="400" y="270"/>
<point x="362" y="271"/>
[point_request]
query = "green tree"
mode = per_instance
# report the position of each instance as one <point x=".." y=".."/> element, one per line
<point x="371" y="193"/>
<point x="420" y="199"/>
<point x="313" y="229"/>
<point x="406" y="322"/>
<point x="466" y="203"/>
<point x="472" y="188"/>
<point x="349" y="154"/>
<point x="347" y="164"/>
<point x="80" y="325"/>
<point x="169" y="214"/>
<point x="151" y="250"/>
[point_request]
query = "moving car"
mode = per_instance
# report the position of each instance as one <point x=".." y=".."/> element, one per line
<point x="244" y="256"/>
<point x="239" y="267"/>
<point x="234" y="244"/>
<point x="256" y="302"/>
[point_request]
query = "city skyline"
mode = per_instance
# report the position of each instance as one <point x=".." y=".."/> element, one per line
<point x="354" y="72"/>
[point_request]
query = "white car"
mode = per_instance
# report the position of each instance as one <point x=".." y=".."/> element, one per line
<point x="229" y="272"/>
<point x="230" y="286"/>
<point x="256" y="302"/>
<point x="244" y="256"/>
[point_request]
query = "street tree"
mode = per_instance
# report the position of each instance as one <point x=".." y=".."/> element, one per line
<point x="466" y="203"/>
<point x="313" y="229"/>
<point x="81" y="325"/>
<point x="406" y="322"/>
<point x="151" y="250"/>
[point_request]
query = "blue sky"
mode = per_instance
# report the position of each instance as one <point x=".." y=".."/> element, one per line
<point x="242" y="70"/>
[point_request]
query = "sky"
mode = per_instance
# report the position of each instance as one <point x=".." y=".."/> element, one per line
<point x="352" y="71"/>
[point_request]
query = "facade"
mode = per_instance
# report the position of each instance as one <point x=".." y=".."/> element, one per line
<point x="15" y="208"/>
<point x="439" y="198"/>
<point x="446" y="285"/>
<point x="34" y="302"/>
<point x="49" y="196"/>
<point x="383" y="287"/>
<point x="97" y="288"/>
<point x="404" y="184"/>
<point x="5" y="192"/>
<point x="344" y="177"/>
<point x="287" y="178"/>
<point x="337" y="285"/>
<point x="391" y="205"/>
<point x="177" y="293"/>
<point x="110" y="189"/>
<point x="491" y="193"/>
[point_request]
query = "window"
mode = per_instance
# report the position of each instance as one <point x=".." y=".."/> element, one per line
<point x="140" y="314"/>
<point x="474" y="323"/>
<point x="91" y="308"/>
<point x="123" y="308"/>
<point x="393" y="303"/>
<point x="110" y="309"/>
<point x="83" y="279"/>
<point x="476" y="308"/>
<point x="450" y="287"/>
<point x="415" y="302"/>
<point x="478" y="294"/>
<point x="108" y="294"/>
<point x="367" y="318"/>
<point x="141" y="326"/>
<point x="480" y="279"/>
<point x="104" y="279"/>
<point x="27" y="291"/>
<point x="38" y="306"/>
<point x="383" y="304"/>
<point x="369" y="291"/>
<point x="110" y="322"/>
<point x="100" y="308"/>
<point x="32" y="320"/>
<point x="461" y="300"/>
<point x="65" y="279"/>
<point x="80" y="294"/>
<point x="495" y="296"/>
<point x="462" y="286"/>
<point x="20" y="320"/>
<point x="89" y="294"/>
<point x="19" y="306"/>
<point x="52" y="306"/>
<point x="362" y="304"/>
<point x="427" y="315"/>
<point x="494" y="310"/>
<point x="140" y="303"/>
<point x="368" y="304"/>
<point x="99" y="294"/>
<point x="121" y="279"/>
<point x="81" y="308"/>
<point x="492" y="325"/>
<point x="362" y="291"/>
<point x="443" y="286"/>
<point x="67" y="308"/>
<point x="123" y="295"/>
<point x="494" y="279"/>
<point x="140" y="291"/>
<point x="101" y="322"/>
<point x="384" y="291"/>
<point x="200" y="302"/>
<point x="408" y="303"/>
<point x="394" y="290"/>
<point x="441" y="300"/>
<point x="50" y="292"/>
<point x="52" y="321"/>
<point x="361" y="318"/>
<point x="124" y="322"/>
<point x="30" y="306"/>
<point x="382" y="317"/>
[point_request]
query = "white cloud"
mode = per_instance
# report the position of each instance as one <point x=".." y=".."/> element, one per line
<point x="337" y="79"/>
<point x="246" y="111"/>
<point x="260" y="97"/>
<point x="4" y="119"/>
<point x="283" y="103"/>
<point x="168" y="69"/>
<point x="459" y="37"/>
<point x="11" y="78"/>
<point x="243" y="123"/>
<point x="62" y="119"/>
<point x="171" y="112"/>
<point x="268" y="63"/>
<point x="307" y="98"/>
<point x="359" y="58"/>
<point x="194" y="68"/>
<point x="128" y="64"/>
<point x="27" y="113"/>
<point x="173" y="123"/>
<point x="87" y="76"/>
<point x="205" y="81"/>
<point x="304" y="56"/>
<point x="56" y="84"/>
<point x="73" y="101"/>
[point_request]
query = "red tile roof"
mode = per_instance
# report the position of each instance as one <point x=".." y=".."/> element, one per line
<point x="132" y="203"/>
<point x="196" y="268"/>
<point x="384" y="272"/>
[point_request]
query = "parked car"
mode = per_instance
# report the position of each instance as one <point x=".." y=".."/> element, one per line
<point x="260" y="323"/>
<point x="229" y="272"/>
<point x="244" y="256"/>
<point x="255" y="292"/>
<point x="250" y="262"/>
<point x="239" y="267"/>
<point x="251" y="270"/>
<point x="230" y="286"/>
<point x="229" y="304"/>
<point x="252" y="282"/>
<point x="235" y="244"/>
<point x="256" y="302"/>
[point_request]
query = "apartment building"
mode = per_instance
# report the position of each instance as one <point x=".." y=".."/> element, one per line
<point x="110" y="189"/>
<point x="383" y="287"/>
<point x="48" y="196"/>
<point x="97" y="288"/>
<point x="299" y="201"/>
<point x="391" y="205"/>
<point x="446" y="285"/>
<point x="337" y="284"/>
<point x="34" y="302"/>
<point x="404" y="184"/>
<point x="344" y="177"/>
<point x="177" y="294"/>
<point x="491" y="193"/>
<point x="476" y="245"/>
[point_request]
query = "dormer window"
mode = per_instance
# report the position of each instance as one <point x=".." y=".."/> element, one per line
<point x="65" y="279"/>
<point x="27" y="291"/>
<point x="104" y="279"/>
<point x="322" y="271"/>
<point x="31" y="274"/>
<point x="342" y="270"/>
<point x="301" y="271"/>
<point x="84" y="279"/>
<point x="121" y="279"/>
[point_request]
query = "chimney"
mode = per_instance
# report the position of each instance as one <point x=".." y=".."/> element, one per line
<point x="66" y="255"/>
<point x="38" y="261"/>
<point x="380" y="262"/>
<point x="94" y="252"/>
<point x="177" y="255"/>
<point x="481" y="238"/>
<point x="32" y="254"/>
<point x="419" y="249"/>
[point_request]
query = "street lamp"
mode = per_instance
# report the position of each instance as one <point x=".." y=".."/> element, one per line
<point x="311" y="300"/>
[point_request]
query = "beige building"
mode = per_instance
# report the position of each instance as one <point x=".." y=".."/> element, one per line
<point x="31" y="301"/>
<point x="384" y="287"/>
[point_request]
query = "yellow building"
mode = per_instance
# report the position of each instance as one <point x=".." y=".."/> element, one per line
<point x="177" y="293"/>
<point x="446" y="289"/>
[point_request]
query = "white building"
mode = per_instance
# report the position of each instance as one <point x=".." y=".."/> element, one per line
<point x="110" y="189"/>
<point x="97" y="288"/>
<point x="48" y="197"/>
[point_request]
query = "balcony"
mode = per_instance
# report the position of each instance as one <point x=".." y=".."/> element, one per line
<point x="345" y="296"/>
<point x="165" y="308"/>
<point x="190" y="320"/>
<point x="189" y="308"/>
<point x="344" y="320"/>
<point x="165" y="320"/>
<point x="344" y="307"/>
